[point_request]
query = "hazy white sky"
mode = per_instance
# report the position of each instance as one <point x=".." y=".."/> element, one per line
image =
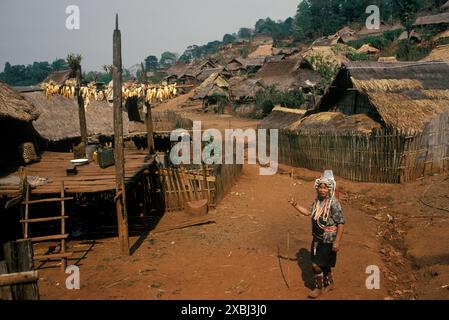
<point x="33" y="30"/>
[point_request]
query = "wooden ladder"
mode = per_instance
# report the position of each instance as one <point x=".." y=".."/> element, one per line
<point x="62" y="237"/>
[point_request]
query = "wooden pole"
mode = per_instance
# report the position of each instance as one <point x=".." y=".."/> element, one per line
<point x="81" y="110"/>
<point x="122" y="215"/>
<point x="149" y="124"/>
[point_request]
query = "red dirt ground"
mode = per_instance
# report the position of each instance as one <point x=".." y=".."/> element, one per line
<point x="237" y="256"/>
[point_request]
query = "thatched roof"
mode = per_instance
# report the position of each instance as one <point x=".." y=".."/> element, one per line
<point x="336" y="121"/>
<point x="262" y="51"/>
<point x="14" y="106"/>
<point x="177" y="69"/>
<point x="406" y="95"/>
<point x="282" y="118"/>
<point x="387" y="59"/>
<point x="215" y="84"/>
<point x="412" y="36"/>
<point x="439" y="53"/>
<point x="327" y="53"/>
<point x="58" y="77"/>
<point x="347" y="34"/>
<point x="442" y="18"/>
<point x="288" y="73"/>
<point x="205" y="73"/>
<point x="445" y="6"/>
<point x="328" y="41"/>
<point x="59" y="118"/>
<point x="254" y="62"/>
<point x="245" y="88"/>
<point x="263" y="39"/>
<point x="365" y="32"/>
<point x="368" y="49"/>
<point x="235" y="64"/>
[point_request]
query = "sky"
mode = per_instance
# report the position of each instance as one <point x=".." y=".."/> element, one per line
<point x="33" y="30"/>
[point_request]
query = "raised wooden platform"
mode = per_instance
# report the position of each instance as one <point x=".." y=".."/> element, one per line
<point x="90" y="177"/>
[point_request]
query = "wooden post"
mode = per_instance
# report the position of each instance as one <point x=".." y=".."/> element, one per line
<point x="149" y="124"/>
<point x="19" y="258"/>
<point x="122" y="215"/>
<point x="81" y="110"/>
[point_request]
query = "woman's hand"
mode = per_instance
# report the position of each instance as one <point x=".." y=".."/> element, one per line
<point x="292" y="202"/>
<point x="336" y="247"/>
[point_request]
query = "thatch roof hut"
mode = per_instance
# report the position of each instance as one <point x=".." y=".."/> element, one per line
<point x="59" y="119"/>
<point x="413" y="36"/>
<point x="445" y="6"/>
<point x="289" y="73"/>
<point x="338" y="122"/>
<point x="282" y="118"/>
<point x="14" y="106"/>
<point x="329" y="55"/>
<point x="403" y="95"/>
<point x="439" y="53"/>
<point x="442" y="35"/>
<point x="236" y="65"/>
<point x="262" y="39"/>
<point x="388" y="59"/>
<point x="262" y="51"/>
<point x="58" y="77"/>
<point x="328" y="41"/>
<point x="442" y="18"/>
<point x="244" y="89"/>
<point x="368" y="49"/>
<point x="215" y="84"/>
<point x="347" y="34"/>
<point x="177" y="69"/>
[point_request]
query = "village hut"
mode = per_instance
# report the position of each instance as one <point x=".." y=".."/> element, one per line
<point x="236" y="66"/>
<point x="387" y="59"/>
<point x="347" y="34"/>
<point x="58" y="77"/>
<point x="390" y="123"/>
<point x="263" y="39"/>
<point x="252" y="65"/>
<point x="431" y="20"/>
<point x="283" y="118"/>
<point x="365" y="32"/>
<point x="288" y="74"/>
<point x="175" y="71"/>
<point x="243" y="90"/>
<point x="328" y="41"/>
<point x="215" y="85"/>
<point x="262" y="51"/>
<point x="368" y="49"/>
<point x="440" y="53"/>
<point x="16" y="130"/>
<point x="58" y="123"/>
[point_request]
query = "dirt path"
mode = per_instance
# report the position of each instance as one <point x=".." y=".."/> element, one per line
<point x="235" y="258"/>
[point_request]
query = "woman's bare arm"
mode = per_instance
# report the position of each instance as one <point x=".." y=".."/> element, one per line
<point x="340" y="231"/>
<point x="299" y="208"/>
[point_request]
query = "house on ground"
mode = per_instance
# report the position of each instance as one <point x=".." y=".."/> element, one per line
<point x="58" y="123"/>
<point x="243" y="90"/>
<point x="58" y="77"/>
<point x="377" y="122"/>
<point x="368" y="49"/>
<point x="328" y="41"/>
<point x="413" y="36"/>
<point x="441" y="19"/>
<point x="282" y="118"/>
<point x="262" y="51"/>
<point x="347" y="34"/>
<point x="291" y="73"/>
<point x="252" y="65"/>
<point x="215" y="85"/>
<point x="16" y="129"/>
<point x="236" y="66"/>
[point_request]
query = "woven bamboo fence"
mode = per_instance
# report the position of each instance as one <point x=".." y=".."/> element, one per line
<point x="181" y="184"/>
<point x="384" y="156"/>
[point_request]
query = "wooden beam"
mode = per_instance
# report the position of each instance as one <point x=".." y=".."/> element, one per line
<point x="149" y="124"/>
<point x="122" y="215"/>
<point x="81" y="110"/>
<point x="9" y="279"/>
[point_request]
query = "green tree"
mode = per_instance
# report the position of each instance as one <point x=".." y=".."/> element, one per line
<point x="245" y="33"/>
<point x="168" y="59"/>
<point x="229" y="38"/>
<point x="59" y="64"/>
<point x="151" y="63"/>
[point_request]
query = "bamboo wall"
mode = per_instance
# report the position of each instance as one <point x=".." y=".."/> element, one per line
<point x="384" y="156"/>
<point x="180" y="184"/>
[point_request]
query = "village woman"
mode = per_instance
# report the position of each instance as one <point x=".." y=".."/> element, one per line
<point x="327" y="230"/>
